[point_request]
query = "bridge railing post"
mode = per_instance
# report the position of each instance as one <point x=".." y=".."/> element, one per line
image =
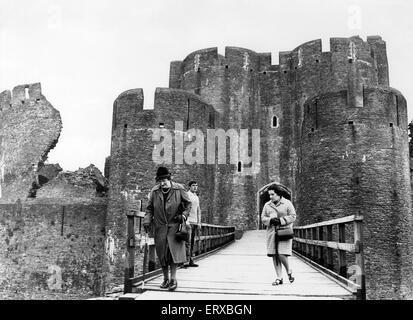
<point x="330" y="262"/>
<point x="342" y="263"/>
<point x="307" y="246"/>
<point x="358" y="240"/>
<point x="320" y="248"/>
<point x="314" y="251"/>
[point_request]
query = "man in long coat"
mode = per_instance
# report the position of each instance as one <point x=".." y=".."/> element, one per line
<point x="168" y="207"/>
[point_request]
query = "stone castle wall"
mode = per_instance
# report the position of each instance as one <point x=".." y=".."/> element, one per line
<point x="29" y="129"/>
<point x="52" y="250"/>
<point x="331" y="130"/>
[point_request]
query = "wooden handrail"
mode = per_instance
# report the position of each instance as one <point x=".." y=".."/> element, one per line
<point x="309" y="241"/>
<point x="209" y="237"/>
<point x="332" y="222"/>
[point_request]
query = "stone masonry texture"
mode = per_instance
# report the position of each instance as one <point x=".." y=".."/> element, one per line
<point x="52" y="222"/>
<point x="331" y="130"/>
<point x="29" y="128"/>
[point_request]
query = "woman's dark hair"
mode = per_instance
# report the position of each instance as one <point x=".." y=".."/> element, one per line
<point x="276" y="189"/>
<point x="191" y="183"/>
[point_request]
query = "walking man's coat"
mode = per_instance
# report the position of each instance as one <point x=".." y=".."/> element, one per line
<point x="161" y="215"/>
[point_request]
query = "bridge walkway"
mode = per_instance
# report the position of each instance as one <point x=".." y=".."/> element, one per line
<point x="241" y="271"/>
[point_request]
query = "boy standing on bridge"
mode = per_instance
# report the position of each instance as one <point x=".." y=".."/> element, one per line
<point x="192" y="223"/>
<point x="168" y="207"/>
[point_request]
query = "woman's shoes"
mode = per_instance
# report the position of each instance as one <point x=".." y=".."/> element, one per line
<point x="173" y="284"/>
<point x="290" y="277"/>
<point x="277" y="282"/>
<point x="165" y="284"/>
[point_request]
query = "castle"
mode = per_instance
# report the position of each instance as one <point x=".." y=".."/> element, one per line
<point x="324" y="125"/>
<point x="331" y="130"/>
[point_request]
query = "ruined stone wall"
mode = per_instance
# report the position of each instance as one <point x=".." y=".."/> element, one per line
<point x="50" y="249"/>
<point x="29" y="128"/>
<point x="52" y="238"/>
<point x="355" y="161"/>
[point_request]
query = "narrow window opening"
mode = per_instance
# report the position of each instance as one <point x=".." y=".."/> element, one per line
<point x="125" y="126"/>
<point x="187" y="114"/>
<point x="312" y="129"/>
<point x="357" y="180"/>
<point x="26" y="93"/>
<point x="63" y="220"/>
<point x="251" y="70"/>
<point x="226" y="67"/>
<point x="397" y="108"/>
<point x="350" y="60"/>
<point x="199" y="69"/>
<point x="391" y="124"/>
<point x="351" y="122"/>
<point x="274" y="121"/>
<point x="239" y="166"/>
<point x="265" y="72"/>
<point x="295" y="68"/>
<point x="285" y="71"/>
<point x="317" y="61"/>
<point x="161" y="125"/>
<point x="22" y="101"/>
<point x="211" y="120"/>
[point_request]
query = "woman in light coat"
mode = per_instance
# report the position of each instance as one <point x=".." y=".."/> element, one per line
<point x="278" y="213"/>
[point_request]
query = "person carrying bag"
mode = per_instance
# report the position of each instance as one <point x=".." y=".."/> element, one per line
<point x="278" y="215"/>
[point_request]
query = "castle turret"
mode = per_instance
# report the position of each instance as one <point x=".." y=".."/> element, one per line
<point x="144" y="139"/>
<point x="354" y="160"/>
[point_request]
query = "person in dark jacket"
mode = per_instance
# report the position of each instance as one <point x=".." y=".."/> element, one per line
<point x="168" y="207"/>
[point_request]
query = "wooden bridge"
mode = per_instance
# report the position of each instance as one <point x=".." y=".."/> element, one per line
<point x="232" y="269"/>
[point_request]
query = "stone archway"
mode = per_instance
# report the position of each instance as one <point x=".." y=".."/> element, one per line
<point x="263" y="197"/>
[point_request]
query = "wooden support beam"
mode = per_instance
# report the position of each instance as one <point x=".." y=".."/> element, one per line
<point x="349" y="247"/>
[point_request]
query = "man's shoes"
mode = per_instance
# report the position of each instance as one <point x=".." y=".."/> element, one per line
<point x="192" y="264"/>
<point x="165" y="284"/>
<point x="173" y="284"/>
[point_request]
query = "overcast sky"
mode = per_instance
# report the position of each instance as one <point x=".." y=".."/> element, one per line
<point x="85" y="53"/>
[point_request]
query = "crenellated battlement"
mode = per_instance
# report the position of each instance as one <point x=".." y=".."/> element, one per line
<point x="382" y="106"/>
<point x="170" y="105"/>
<point x="21" y="94"/>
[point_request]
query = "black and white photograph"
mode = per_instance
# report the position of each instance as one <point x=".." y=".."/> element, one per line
<point x="217" y="151"/>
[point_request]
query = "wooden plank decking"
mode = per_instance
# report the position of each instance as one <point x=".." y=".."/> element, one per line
<point x="243" y="271"/>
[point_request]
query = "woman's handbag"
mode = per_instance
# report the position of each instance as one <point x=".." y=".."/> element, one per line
<point x="182" y="233"/>
<point x="285" y="234"/>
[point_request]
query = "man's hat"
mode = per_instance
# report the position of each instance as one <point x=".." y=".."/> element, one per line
<point x="162" y="173"/>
